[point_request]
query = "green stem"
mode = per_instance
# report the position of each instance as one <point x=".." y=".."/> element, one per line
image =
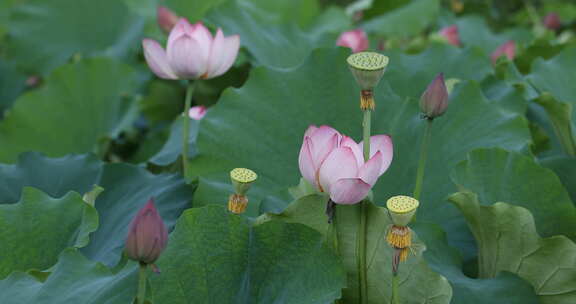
<point x="395" y="298"/>
<point x="186" y="128"/>
<point x="422" y="161"/>
<point x="142" y="284"/>
<point x="366" y="134"/>
<point x="362" y="227"/>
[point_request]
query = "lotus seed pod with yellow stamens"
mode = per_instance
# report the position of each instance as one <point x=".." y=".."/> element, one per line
<point x="399" y="237"/>
<point x="402" y="208"/>
<point x="242" y="178"/>
<point x="237" y="203"/>
<point x="367" y="68"/>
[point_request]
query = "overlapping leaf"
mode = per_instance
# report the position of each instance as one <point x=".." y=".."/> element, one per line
<point x="215" y="256"/>
<point x="508" y="241"/>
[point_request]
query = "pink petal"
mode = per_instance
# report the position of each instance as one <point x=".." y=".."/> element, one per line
<point x="370" y="171"/>
<point x="340" y="163"/>
<point x="182" y="27"/>
<point x="184" y="58"/>
<point x="311" y="129"/>
<point x="228" y="55"/>
<point x="202" y="35"/>
<point x="216" y="53"/>
<point x="451" y="35"/>
<point x="349" y="191"/>
<point x="349" y="142"/>
<point x="355" y="40"/>
<point x="157" y="59"/>
<point x="166" y="18"/>
<point x="197" y="112"/>
<point x="507" y="49"/>
<point x="306" y="163"/>
<point x="382" y="143"/>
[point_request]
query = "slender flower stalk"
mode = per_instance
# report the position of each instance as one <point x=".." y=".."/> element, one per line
<point x="422" y="161"/>
<point x="142" y="283"/>
<point x="186" y="127"/>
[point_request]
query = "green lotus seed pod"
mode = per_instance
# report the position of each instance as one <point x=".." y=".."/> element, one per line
<point x="367" y="68"/>
<point x="402" y="208"/>
<point x="242" y="178"/>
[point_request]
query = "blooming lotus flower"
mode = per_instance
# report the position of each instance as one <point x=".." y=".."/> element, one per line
<point x="166" y="18"/>
<point x="434" y="100"/>
<point x="552" y="21"/>
<point x="355" y="40"/>
<point x="450" y="33"/>
<point x="507" y="49"/>
<point x="147" y="237"/>
<point x="335" y="164"/>
<point x="191" y="52"/>
<point x="197" y="112"/>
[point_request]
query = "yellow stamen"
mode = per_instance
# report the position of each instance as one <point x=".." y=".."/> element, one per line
<point x="404" y="252"/>
<point x="367" y="100"/>
<point x="237" y="203"/>
<point x="399" y="237"/>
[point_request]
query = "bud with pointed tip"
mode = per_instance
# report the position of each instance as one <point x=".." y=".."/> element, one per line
<point x="552" y="21"/>
<point x="507" y="49"/>
<point x="147" y="237"/>
<point x="197" y="112"/>
<point x="434" y="100"/>
<point x="354" y="39"/>
<point x="166" y="18"/>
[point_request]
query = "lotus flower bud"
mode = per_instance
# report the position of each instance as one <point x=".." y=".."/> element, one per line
<point x="166" y="18"/>
<point x="147" y="237"/>
<point x="507" y="49"/>
<point x="552" y="21"/>
<point x="197" y="112"/>
<point x="367" y="68"/>
<point x="450" y="33"/>
<point x="355" y="40"/>
<point x="434" y="100"/>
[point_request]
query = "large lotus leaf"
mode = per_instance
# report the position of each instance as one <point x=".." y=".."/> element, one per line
<point x="12" y="84"/>
<point x="74" y="279"/>
<point x="474" y="31"/>
<point x="565" y="168"/>
<point x="418" y="283"/>
<point x="214" y="256"/>
<point x="45" y="34"/>
<point x="35" y="230"/>
<point x="409" y="19"/>
<point x="80" y="105"/>
<point x="261" y="125"/>
<point x="126" y="189"/>
<point x="448" y="262"/>
<point x="54" y="176"/>
<point x="508" y="240"/>
<point x="554" y="78"/>
<point x="500" y="176"/>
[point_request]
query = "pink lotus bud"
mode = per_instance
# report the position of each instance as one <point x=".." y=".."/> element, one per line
<point x="355" y="39"/>
<point x="191" y="52"/>
<point x="450" y="33"/>
<point x="197" y="112"/>
<point x="335" y="163"/>
<point x="507" y="49"/>
<point x="552" y="21"/>
<point x="166" y="18"/>
<point x="434" y="100"/>
<point x="147" y="237"/>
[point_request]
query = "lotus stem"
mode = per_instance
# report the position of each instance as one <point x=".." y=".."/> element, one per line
<point x="142" y="283"/>
<point x="186" y="127"/>
<point x="422" y="161"/>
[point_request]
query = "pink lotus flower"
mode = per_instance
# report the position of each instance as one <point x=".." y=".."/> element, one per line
<point x="191" y="53"/>
<point x="335" y="164"/>
<point x="147" y="237"/>
<point x="197" y="112"/>
<point x="552" y="21"/>
<point x="507" y="49"/>
<point x="355" y="39"/>
<point x="450" y="33"/>
<point x="166" y="18"/>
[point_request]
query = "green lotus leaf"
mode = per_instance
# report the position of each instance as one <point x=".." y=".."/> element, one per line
<point x="74" y="279"/>
<point x="36" y="229"/>
<point x="46" y="34"/>
<point x="215" y="256"/>
<point x="80" y="105"/>
<point x="508" y="241"/>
